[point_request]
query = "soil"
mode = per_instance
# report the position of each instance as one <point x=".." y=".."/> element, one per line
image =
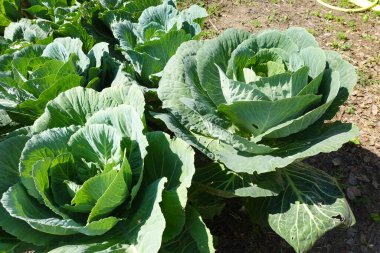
<point x="355" y="166"/>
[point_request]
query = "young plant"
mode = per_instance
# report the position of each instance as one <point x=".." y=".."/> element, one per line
<point x="257" y="105"/>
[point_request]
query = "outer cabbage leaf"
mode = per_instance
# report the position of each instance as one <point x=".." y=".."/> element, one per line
<point x="219" y="181"/>
<point x="116" y="10"/>
<point x="62" y="49"/>
<point x="27" y="30"/>
<point x="141" y="233"/>
<point x="311" y="205"/>
<point x="77" y="105"/>
<point x="195" y="236"/>
<point x="176" y="163"/>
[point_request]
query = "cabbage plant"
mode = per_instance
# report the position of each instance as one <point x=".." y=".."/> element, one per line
<point x="34" y="75"/>
<point x="22" y="34"/>
<point x="28" y="30"/>
<point x="257" y="104"/>
<point x="130" y="10"/>
<point x="86" y="178"/>
<point x="41" y="8"/>
<point x="160" y="30"/>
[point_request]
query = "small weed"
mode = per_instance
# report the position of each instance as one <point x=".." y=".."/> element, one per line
<point x="375" y="217"/>
<point x="208" y="34"/>
<point x="346" y="46"/>
<point x="365" y="18"/>
<point x="355" y="141"/>
<point x="341" y="42"/>
<point x="316" y="14"/>
<point x="214" y="9"/>
<point x="363" y="78"/>
<point x="368" y="36"/>
<point x="339" y="19"/>
<point x="352" y="24"/>
<point x="272" y="16"/>
<point x="183" y="4"/>
<point x="329" y="28"/>
<point x="376" y="58"/>
<point x="342" y="36"/>
<point x="345" y="4"/>
<point x="313" y="31"/>
<point x="284" y="19"/>
<point x="329" y="16"/>
<point x="246" y="2"/>
<point x="350" y="110"/>
<point x="335" y="44"/>
<point x="255" y="23"/>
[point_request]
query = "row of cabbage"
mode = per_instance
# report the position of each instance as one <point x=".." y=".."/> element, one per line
<point x="102" y="103"/>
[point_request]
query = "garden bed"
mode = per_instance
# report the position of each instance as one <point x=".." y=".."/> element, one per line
<point x="227" y="126"/>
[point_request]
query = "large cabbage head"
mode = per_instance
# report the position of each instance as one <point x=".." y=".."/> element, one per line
<point x="88" y="179"/>
<point x="257" y="102"/>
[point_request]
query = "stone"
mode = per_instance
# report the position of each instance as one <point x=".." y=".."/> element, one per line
<point x="352" y="180"/>
<point x="337" y="161"/>
<point x="353" y="192"/>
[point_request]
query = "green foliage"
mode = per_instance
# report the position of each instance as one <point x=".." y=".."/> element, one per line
<point x="89" y="179"/>
<point x="257" y="104"/>
<point x="33" y="76"/>
<point x="151" y="42"/>
<point x="83" y="167"/>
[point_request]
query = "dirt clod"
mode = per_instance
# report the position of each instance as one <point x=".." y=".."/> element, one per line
<point x="375" y="110"/>
<point x="353" y="192"/>
<point x="337" y="161"/>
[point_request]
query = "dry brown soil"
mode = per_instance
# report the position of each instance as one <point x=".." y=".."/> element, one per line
<point x="356" y="166"/>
